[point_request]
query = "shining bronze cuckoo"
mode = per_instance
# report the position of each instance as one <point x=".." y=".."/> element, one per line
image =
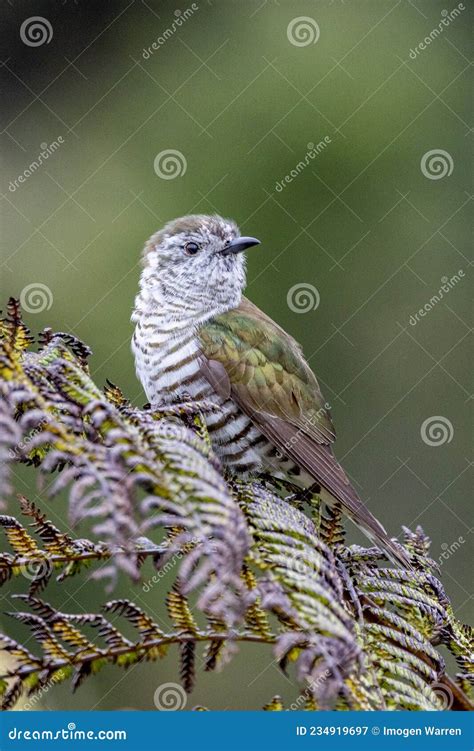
<point x="197" y="337"/>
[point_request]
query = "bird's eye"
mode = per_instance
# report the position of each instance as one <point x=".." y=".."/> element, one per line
<point x="191" y="248"/>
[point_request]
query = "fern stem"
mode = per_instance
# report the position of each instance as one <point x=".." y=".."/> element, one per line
<point x="143" y="647"/>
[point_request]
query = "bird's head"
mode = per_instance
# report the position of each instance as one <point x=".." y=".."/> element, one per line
<point x="196" y="263"/>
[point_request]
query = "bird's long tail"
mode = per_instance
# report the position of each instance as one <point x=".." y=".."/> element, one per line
<point x="319" y="462"/>
<point x="329" y="473"/>
<point x="372" y="529"/>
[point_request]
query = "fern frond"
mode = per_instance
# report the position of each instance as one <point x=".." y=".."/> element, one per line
<point x="64" y="648"/>
<point x="59" y="552"/>
<point x="275" y="705"/>
<point x="180" y="612"/>
<point x="249" y="565"/>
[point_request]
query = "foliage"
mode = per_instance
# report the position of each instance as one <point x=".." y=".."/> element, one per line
<point x="254" y="566"/>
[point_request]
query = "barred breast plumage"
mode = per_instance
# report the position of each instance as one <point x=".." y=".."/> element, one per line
<point x="167" y="359"/>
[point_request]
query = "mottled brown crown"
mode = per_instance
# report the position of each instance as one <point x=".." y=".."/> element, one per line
<point x="213" y="224"/>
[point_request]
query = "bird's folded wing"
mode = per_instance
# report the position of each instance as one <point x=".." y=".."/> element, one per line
<point x="246" y="354"/>
<point x="248" y="357"/>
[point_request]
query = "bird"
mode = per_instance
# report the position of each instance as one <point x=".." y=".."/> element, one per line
<point x="197" y="337"/>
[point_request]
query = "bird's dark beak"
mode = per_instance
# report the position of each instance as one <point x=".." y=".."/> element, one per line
<point x="239" y="244"/>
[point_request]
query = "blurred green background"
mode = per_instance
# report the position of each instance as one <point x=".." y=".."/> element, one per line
<point x="361" y="223"/>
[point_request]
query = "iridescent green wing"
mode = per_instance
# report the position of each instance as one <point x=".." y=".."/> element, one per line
<point x="248" y="357"/>
<point x="252" y="357"/>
